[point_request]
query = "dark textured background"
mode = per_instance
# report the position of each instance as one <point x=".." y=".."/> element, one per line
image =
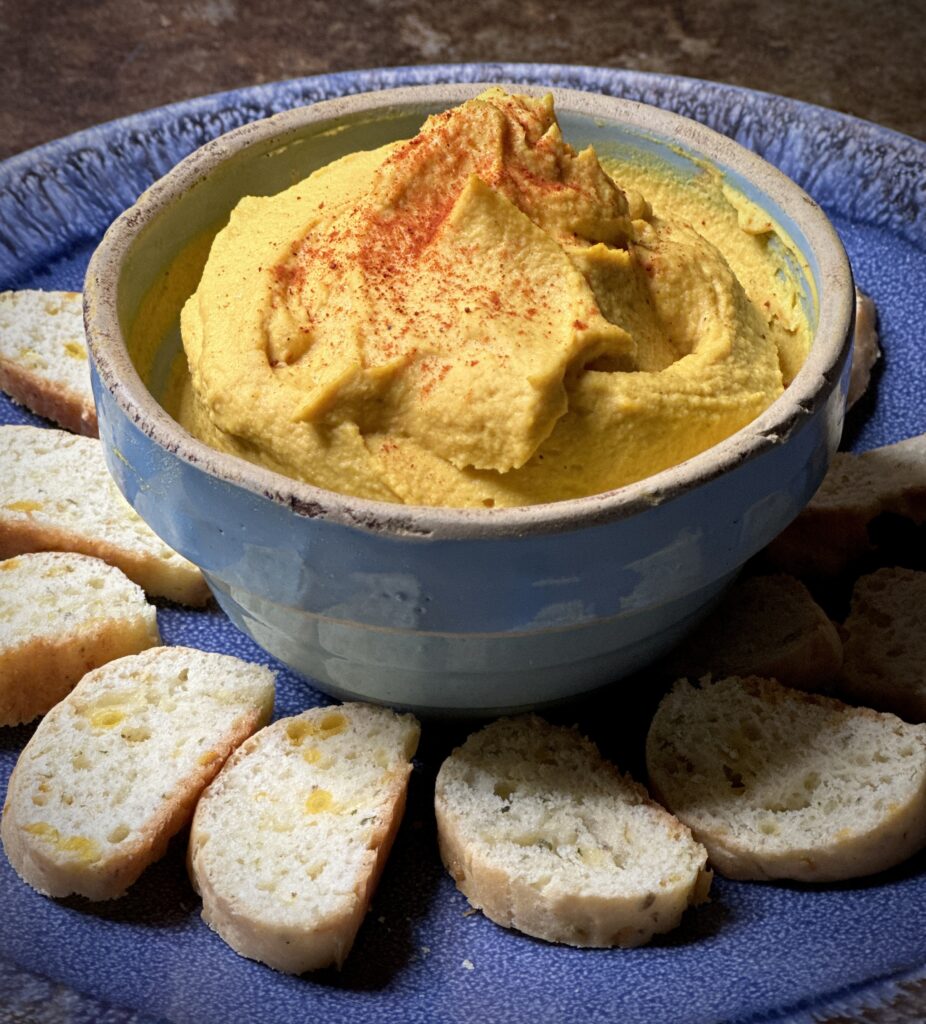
<point x="65" y="66"/>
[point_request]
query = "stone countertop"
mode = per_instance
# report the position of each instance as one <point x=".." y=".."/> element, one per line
<point x="70" y="65"/>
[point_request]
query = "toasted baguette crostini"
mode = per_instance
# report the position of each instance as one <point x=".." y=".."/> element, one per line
<point x="545" y="836"/>
<point x="866" y="347"/>
<point x="765" y="626"/>
<point x="115" y="769"/>
<point x="832" y="532"/>
<point x="61" y="615"/>
<point x="43" y="357"/>
<point x="885" y="665"/>
<point x="289" y="841"/>
<point x="56" y="494"/>
<point x="778" y="783"/>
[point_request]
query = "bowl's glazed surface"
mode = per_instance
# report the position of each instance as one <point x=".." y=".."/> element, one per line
<point x="450" y="610"/>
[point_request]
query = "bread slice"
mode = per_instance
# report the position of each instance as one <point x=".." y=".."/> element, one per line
<point x="56" y="494"/>
<point x="832" y="531"/>
<point x="766" y="626"/>
<point x="43" y="357"/>
<point x="115" y="769"/>
<point x="885" y="664"/>
<point x="62" y="614"/>
<point x="866" y="350"/>
<point x="543" y="835"/>
<point x="288" y="843"/>
<point x="777" y="783"/>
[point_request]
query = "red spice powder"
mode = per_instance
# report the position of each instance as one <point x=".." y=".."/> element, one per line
<point x="392" y="248"/>
<point x="290" y="276"/>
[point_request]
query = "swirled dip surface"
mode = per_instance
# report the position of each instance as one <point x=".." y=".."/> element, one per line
<point x="480" y="316"/>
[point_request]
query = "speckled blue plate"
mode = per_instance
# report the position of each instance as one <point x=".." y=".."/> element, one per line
<point x="756" y="952"/>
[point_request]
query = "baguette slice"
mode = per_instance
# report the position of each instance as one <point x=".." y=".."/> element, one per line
<point x="885" y="664"/>
<point x="61" y="615"/>
<point x="542" y="834"/>
<point x="782" y="784"/>
<point x="288" y="843"/>
<point x="832" y="531"/>
<point x="56" y="494"/>
<point x="766" y="626"/>
<point x="115" y="769"/>
<point x="866" y="349"/>
<point x="43" y="357"/>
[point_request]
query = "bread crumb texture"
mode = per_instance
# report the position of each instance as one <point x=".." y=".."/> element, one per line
<point x="782" y="784"/>
<point x="57" y="494"/>
<point x="43" y="356"/>
<point x="544" y="835"/>
<point x="115" y="768"/>
<point x="62" y="614"/>
<point x="288" y="842"/>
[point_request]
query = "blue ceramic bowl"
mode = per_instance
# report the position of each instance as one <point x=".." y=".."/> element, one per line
<point x="449" y="610"/>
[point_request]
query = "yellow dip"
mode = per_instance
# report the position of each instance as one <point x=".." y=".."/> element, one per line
<point x="480" y="316"/>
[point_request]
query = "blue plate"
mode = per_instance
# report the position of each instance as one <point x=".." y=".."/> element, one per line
<point x="757" y="952"/>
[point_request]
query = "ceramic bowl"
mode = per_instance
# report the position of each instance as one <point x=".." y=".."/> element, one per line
<point x="449" y="610"/>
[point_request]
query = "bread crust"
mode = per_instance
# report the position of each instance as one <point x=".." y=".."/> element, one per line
<point x="21" y="534"/>
<point x="55" y="402"/>
<point x="39" y="673"/>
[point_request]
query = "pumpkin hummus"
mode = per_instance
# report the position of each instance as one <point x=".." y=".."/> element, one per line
<point x="480" y="316"/>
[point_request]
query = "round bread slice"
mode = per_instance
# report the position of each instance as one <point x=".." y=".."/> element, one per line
<point x="56" y="494"/>
<point x="542" y="834"/>
<point x="866" y="348"/>
<point x="289" y="841"/>
<point x="832" y="532"/>
<point x="115" y="769"/>
<point x="766" y="626"/>
<point x="885" y="664"/>
<point x="43" y="357"/>
<point x="777" y="783"/>
<point x="61" y="615"/>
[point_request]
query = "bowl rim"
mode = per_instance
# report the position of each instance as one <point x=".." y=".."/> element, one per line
<point x="807" y="393"/>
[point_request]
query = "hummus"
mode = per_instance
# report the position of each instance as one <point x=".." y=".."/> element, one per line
<point x="480" y="316"/>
